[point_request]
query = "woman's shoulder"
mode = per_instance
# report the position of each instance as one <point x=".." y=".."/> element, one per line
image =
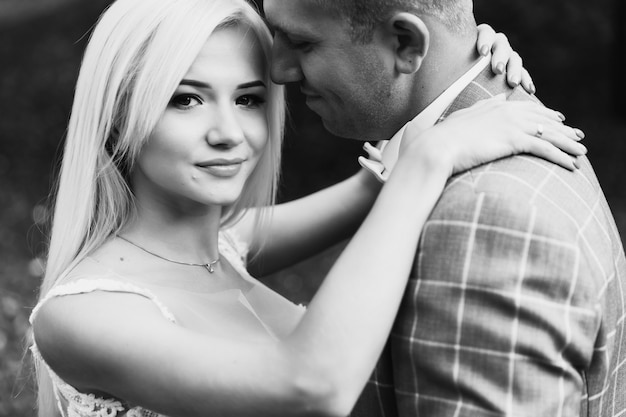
<point x="74" y="328"/>
<point x="98" y="271"/>
<point x="90" y="290"/>
<point x="90" y="280"/>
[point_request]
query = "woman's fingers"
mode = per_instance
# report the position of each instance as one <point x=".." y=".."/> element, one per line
<point x="563" y="137"/>
<point x="504" y="59"/>
<point x="501" y="52"/>
<point x="546" y="125"/>
<point x="486" y="37"/>
<point x="495" y="128"/>
<point x="549" y="152"/>
<point x="373" y="153"/>
<point x="540" y="130"/>
<point x="514" y="69"/>
<point x="527" y="82"/>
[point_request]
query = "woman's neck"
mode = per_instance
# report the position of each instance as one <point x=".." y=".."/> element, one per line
<point x="192" y="235"/>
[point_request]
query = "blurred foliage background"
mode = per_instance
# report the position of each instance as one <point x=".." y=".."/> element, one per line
<point x="575" y="50"/>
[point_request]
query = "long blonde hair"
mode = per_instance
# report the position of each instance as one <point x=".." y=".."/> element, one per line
<point x="137" y="55"/>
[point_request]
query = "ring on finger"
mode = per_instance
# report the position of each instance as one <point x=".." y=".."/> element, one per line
<point x="540" y="130"/>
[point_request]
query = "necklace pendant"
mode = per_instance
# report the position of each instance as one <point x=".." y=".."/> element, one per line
<point x="209" y="267"/>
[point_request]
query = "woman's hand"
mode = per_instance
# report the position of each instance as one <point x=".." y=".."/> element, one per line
<point x="503" y="58"/>
<point x="493" y="129"/>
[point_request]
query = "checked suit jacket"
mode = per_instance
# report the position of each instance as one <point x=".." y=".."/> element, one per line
<point x="516" y="304"/>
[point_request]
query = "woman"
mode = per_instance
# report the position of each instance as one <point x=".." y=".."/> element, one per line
<point x="170" y="163"/>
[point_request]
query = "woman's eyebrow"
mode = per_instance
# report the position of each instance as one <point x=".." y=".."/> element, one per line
<point x="200" y="84"/>
<point x="195" y="83"/>
<point x="258" y="83"/>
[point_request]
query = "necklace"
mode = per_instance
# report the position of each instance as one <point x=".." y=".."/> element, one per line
<point x="208" y="266"/>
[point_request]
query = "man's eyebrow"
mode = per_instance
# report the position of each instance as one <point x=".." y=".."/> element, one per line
<point x="289" y="30"/>
<point x="200" y="84"/>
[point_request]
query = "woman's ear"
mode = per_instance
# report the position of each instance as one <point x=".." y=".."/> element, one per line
<point x="411" y="39"/>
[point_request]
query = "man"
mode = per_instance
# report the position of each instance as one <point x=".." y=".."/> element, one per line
<point x="516" y="303"/>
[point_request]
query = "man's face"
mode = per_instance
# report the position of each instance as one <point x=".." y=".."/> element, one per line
<point x="349" y="85"/>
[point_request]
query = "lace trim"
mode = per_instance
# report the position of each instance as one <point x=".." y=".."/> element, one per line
<point x="86" y="405"/>
<point x="142" y="412"/>
<point x="80" y="404"/>
<point x="234" y="245"/>
<point x="235" y="250"/>
<point x="89" y="405"/>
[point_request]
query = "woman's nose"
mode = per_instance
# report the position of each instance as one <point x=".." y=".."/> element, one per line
<point x="226" y="129"/>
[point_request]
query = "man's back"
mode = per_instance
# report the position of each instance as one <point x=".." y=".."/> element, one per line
<point x="517" y="301"/>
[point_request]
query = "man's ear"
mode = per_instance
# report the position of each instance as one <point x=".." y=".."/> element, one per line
<point x="411" y="39"/>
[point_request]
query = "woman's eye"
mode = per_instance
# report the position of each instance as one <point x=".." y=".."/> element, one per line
<point x="185" y="101"/>
<point x="250" y="100"/>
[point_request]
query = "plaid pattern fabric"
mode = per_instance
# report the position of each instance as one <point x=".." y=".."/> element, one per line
<point x="517" y="301"/>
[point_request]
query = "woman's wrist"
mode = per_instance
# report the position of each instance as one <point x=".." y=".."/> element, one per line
<point x="429" y="153"/>
<point x="367" y="182"/>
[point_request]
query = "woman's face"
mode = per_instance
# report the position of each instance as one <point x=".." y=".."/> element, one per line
<point x="213" y="131"/>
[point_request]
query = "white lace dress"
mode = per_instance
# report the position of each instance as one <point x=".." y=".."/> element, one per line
<point x="256" y="311"/>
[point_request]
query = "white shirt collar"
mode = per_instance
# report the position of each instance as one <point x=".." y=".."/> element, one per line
<point x="426" y="118"/>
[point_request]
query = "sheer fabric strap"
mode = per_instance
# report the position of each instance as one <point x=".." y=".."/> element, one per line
<point x="87" y="285"/>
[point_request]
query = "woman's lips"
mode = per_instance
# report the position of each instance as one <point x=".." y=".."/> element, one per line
<point x="222" y="167"/>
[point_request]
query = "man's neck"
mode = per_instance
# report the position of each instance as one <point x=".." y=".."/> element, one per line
<point x="447" y="60"/>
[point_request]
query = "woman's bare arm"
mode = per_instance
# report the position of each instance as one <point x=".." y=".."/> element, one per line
<point x="120" y="344"/>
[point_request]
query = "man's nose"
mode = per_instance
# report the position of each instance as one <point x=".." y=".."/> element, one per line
<point x="226" y="130"/>
<point x="285" y="64"/>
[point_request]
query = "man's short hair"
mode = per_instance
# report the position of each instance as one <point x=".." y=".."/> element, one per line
<point x="364" y="15"/>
